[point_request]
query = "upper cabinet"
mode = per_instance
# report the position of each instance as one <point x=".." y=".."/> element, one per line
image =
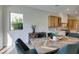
<point x="77" y="25"/>
<point x="54" y="21"/>
<point x="49" y="21"/>
<point x="72" y="22"/>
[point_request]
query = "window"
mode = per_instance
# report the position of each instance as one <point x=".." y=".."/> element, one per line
<point x="16" y="21"/>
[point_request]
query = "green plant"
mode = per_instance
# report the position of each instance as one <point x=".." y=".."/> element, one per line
<point x="17" y="24"/>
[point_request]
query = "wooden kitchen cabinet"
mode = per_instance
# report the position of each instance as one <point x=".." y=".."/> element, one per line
<point x="49" y="21"/>
<point x="54" y="21"/>
<point x="72" y="24"/>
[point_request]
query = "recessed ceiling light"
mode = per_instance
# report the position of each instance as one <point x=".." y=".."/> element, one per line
<point x="67" y="9"/>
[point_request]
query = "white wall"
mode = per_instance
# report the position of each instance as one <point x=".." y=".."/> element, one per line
<point x="64" y="17"/>
<point x="31" y="16"/>
<point x="1" y="29"/>
<point x="3" y="26"/>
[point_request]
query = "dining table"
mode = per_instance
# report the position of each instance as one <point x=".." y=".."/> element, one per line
<point x="45" y="45"/>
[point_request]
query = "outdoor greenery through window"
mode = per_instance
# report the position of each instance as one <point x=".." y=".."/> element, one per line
<point x="16" y="21"/>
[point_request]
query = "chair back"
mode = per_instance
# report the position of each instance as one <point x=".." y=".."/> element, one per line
<point x="21" y="46"/>
<point x="68" y="49"/>
<point x="78" y="48"/>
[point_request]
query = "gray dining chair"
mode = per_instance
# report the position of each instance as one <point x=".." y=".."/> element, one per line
<point x="22" y="48"/>
<point x="78" y="48"/>
<point x="69" y="49"/>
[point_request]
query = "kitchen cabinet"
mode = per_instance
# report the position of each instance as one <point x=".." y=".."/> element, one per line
<point x="54" y="21"/>
<point x="72" y="24"/>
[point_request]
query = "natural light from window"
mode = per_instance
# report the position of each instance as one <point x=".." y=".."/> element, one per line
<point x="16" y="21"/>
<point x="9" y="40"/>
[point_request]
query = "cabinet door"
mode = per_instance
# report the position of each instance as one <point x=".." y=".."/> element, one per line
<point x="53" y="21"/>
<point x="49" y="21"/>
<point x="59" y="21"/>
<point x="77" y="25"/>
<point x="56" y="23"/>
<point x="71" y="24"/>
<point x="74" y="24"/>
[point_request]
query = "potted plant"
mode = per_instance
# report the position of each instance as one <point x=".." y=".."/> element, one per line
<point x="33" y="28"/>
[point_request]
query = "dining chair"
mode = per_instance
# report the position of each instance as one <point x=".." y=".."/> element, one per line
<point x="22" y="48"/>
<point x="68" y="49"/>
<point x="78" y="48"/>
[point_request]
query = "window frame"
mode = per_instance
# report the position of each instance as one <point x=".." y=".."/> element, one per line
<point x="10" y="23"/>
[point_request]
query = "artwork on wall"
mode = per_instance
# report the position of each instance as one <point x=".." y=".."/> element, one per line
<point x="16" y="21"/>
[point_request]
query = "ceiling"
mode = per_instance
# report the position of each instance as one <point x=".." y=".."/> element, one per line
<point x="68" y="9"/>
